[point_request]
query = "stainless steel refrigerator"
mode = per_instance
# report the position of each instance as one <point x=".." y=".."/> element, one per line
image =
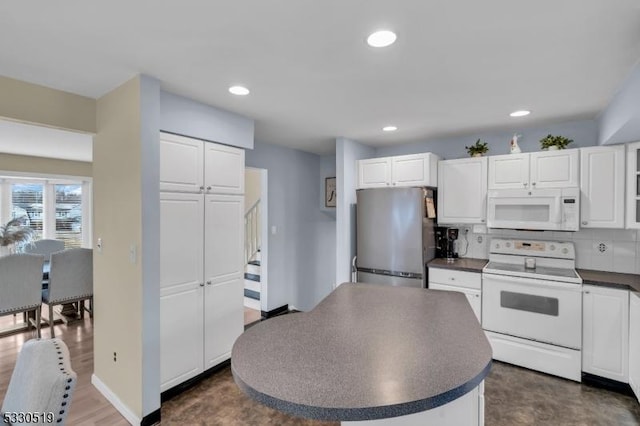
<point x="395" y="232"/>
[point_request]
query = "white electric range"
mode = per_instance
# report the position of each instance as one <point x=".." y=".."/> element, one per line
<point x="532" y="305"/>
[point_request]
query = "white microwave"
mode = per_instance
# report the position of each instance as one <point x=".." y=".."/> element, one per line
<point x="539" y="209"/>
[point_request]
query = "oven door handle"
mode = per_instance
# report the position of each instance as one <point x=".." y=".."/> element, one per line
<point x="533" y="281"/>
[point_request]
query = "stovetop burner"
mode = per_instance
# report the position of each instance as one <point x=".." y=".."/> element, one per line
<point x="554" y="261"/>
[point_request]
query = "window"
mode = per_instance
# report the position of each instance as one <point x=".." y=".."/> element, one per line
<point x="69" y="215"/>
<point x="26" y="203"/>
<point x="55" y="208"/>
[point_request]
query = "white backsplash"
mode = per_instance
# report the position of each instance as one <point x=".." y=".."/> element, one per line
<point x="616" y="250"/>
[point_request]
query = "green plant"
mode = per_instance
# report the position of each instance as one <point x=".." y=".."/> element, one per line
<point x="478" y="148"/>
<point x="14" y="233"/>
<point x="560" y="141"/>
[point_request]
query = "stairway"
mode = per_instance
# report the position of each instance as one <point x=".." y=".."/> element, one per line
<point x="252" y="282"/>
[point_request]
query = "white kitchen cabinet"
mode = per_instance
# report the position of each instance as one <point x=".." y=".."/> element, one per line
<point x="634" y="343"/>
<point x="602" y="187"/>
<point x="554" y="169"/>
<point x="510" y="171"/>
<point x="544" y="169"/>
<point x="201" y="270"/>
<point x="605" y="332"/>
<point x="467" y="283"/>
<point x="181" y="161"/>
<point x="462" y="191"/>
<point x="192" y="165"/>
<point x="374" y="173"/>
<point x="633" y="185"/>
<point x="401" y="170"/>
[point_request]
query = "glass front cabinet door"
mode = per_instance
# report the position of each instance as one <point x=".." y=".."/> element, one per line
<point x="633" y="185"/>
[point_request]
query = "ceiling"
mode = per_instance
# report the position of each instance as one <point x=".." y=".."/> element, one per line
<point x="457" y="67"/>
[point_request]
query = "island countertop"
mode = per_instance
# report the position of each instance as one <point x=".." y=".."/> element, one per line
<point x="365" y="352"/>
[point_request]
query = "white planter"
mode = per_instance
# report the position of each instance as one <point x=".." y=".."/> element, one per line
<point x="553" y="148"/>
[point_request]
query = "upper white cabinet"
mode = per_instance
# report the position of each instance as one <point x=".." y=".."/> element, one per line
<point x="544" y="169"/>
<point x="192" y="165"/>
<point x="605" y="332"/>
<point x="181" y="162"/>
<point x="374" y="172"/>
<point x="509" y="171"/>
<point x="634" y="343"/>
<point x="401" y="170"/>
<point x="602" y="187"/>
<point x="633" y="185"/>
<point x="462" y="190"/>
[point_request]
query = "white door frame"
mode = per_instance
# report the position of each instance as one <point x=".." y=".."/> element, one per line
<point x="264" y="237"/>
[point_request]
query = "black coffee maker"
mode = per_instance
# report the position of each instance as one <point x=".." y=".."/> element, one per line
<point x="445" y="242"/>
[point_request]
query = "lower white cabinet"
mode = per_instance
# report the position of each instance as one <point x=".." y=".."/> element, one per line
<point x="634" y="343"/>
<point x="201" y="282"/>
<point x="605" y="332"/>
<point x="467" y="283"/>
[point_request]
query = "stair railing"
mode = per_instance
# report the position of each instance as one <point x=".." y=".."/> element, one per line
<point x="252" y="231"/>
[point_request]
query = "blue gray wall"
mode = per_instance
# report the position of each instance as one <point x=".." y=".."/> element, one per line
<point x="301" y="253"/>
<point x="184" y="116"/>
<point x="347" y="153"/>
<point x="620" y="121"/>
<point x="583" y="132"/>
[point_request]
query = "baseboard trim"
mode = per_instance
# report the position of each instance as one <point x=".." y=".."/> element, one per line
<point x="275" y="312"/>
<point x="186" y="385"/>
<point x="115" y="401"/>
<point x="608" y="384"/>
<point x="151" y="419"/>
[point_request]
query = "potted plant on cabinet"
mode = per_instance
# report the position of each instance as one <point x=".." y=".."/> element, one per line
<point x="552" y="143"/>
<point x="478" y="149"/>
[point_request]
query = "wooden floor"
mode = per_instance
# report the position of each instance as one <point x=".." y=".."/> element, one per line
<point x="88" y="406"/>
<point x="251" y="315"/>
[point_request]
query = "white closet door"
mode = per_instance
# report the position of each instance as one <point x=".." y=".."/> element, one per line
<point x="223" y="169"/>
<point x="224" y="233"/>
<point x="224" y="273"/>
<point x="180" y="164"/>
<point x="223" y="319"/>
<point x="181" y="292"/>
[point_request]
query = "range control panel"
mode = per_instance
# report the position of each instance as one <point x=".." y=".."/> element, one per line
<point x="554" y="249"/>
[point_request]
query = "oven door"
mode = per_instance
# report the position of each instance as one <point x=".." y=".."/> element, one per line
<point x="540" y="310"/>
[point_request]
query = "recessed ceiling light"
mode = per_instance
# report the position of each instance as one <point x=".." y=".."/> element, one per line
<point x="381" y="38"/>
<point x="389" y="128"/>
<point x="520" y="113"/>
<point x="239" y="90"/>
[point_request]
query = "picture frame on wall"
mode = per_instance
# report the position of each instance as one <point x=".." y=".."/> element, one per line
<point x="330" y="194"/>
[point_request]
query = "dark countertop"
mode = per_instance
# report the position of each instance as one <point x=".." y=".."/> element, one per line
<point x="365" y="352"/>
<point x="610" y="279"/>
<point x="460" y="264"/>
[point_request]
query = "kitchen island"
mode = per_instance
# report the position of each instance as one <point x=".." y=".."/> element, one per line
<point x="367" y="352"/>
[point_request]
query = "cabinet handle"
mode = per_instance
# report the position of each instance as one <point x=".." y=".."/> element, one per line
<point x="208" y="188"/>
<point x="584" y="222"/>
<point x="387" y="183"/>
<point x="534" y="184"/>
<point x="394" y="184"/>
<point x="201" y="188"/>
<point x="477" y="295"/>
<point x="201" y="284"/>
<point x="208" y="282"/>
<point x="587" y="292"/>
<point x="524" y="184"/>
<point x="453" y="278"/>
<point x="482" y="220"/>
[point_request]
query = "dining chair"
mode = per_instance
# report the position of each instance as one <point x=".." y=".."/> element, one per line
<point x="44" y="247"/>
<point x="41" y="385"/>
<point x="21" y="285"/>
<point x="70" y="280"/>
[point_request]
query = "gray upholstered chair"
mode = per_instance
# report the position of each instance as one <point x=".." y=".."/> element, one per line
<point x="21" y="285"/>
<point x="44" y="247"/>
<point x="42" y="382"/>
<point x="70" y="280"/>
